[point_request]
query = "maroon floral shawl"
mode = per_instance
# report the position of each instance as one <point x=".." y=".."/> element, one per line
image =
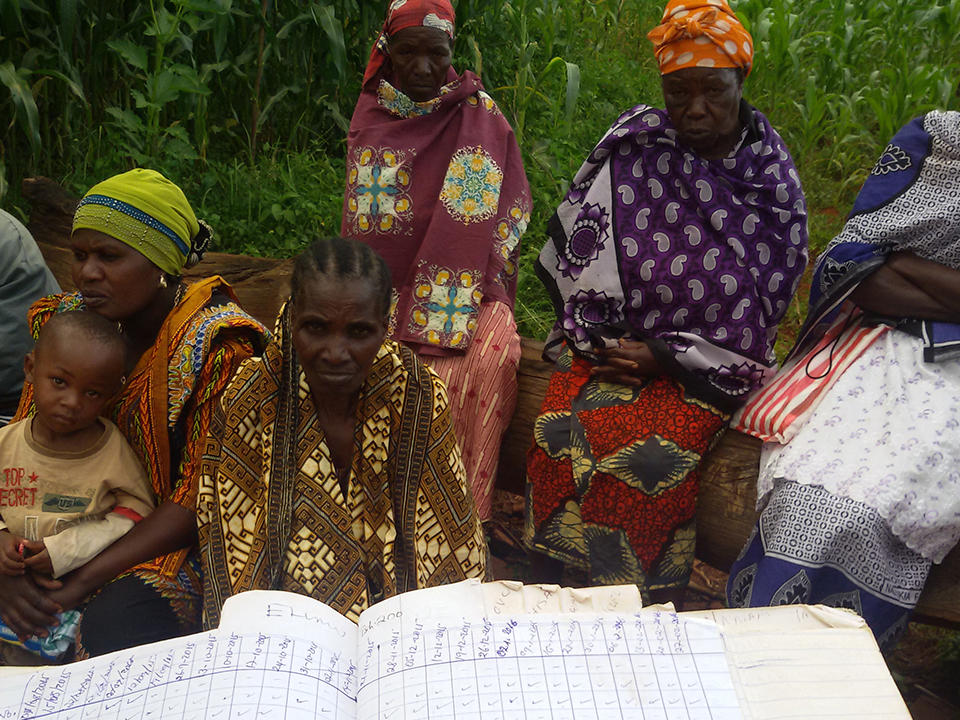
<point x="438" y="189"/>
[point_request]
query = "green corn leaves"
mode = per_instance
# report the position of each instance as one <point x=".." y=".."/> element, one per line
<point x="26" y="107"/>
<point x="174" y="79"/>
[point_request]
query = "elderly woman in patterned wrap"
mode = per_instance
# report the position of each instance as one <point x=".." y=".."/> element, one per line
<point x="332" y="469"/>
<point x="435" y="185"/>
<point x="671" y="261"/>
<point x="133" y="235"/>
<point x="861" y="497"/>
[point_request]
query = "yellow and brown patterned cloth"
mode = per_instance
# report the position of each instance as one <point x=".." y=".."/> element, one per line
<point x="271" y="509"/>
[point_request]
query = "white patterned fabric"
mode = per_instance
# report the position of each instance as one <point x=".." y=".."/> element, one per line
<point x="910" y="202"/>
<point x="922" y="218"/>
<point x="813" y="547"/>
<point x="794" y="528"/>
<point x="886" y="435"/>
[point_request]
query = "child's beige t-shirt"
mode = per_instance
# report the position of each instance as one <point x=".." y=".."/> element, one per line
<point x="77" y="503"/>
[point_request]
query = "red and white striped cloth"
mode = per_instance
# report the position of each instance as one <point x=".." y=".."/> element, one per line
<point x="776" y="411"/>
<point x="482" y="387"/>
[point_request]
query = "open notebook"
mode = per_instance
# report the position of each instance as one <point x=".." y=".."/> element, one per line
<point x="472" y="651"/>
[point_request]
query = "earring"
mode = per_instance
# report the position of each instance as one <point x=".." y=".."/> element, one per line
<point x="163" y="281"/>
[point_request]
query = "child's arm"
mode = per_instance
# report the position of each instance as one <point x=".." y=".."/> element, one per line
<point x="132" y="497"/>
<point x="79" y="544"/>
<point x="11" y="560"/>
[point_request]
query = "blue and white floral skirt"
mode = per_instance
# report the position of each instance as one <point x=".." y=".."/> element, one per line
<point x="813" y="547"/>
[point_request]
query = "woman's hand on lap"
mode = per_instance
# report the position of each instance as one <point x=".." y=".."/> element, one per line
<point x="69" y="592"/>
<point x="628" y="363"/>
<point x="25" y="608"/>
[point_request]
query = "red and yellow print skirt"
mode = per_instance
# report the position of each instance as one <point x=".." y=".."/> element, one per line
<point x="613" y="475"/>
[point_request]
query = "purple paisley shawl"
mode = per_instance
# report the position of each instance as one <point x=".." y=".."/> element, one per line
<point x="699" y="258"/>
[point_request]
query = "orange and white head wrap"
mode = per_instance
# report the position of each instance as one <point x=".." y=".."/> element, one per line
<point x="701" y="33"/>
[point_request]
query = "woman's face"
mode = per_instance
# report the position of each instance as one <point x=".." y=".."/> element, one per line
<point x="338" y="328"/>
<point x="421" y="58"/>
<point x="704" y="107"/>
<point x="116" y="281"/>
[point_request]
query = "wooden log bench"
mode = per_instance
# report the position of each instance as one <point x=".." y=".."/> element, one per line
<point x="725" y="507"/>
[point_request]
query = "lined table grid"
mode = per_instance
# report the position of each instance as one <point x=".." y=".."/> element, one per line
<point x="654" y="666"/>
<point x="649" y="666"/>
<point x="211" y="677"/>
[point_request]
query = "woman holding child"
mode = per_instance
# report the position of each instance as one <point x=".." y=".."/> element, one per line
<point x="72" y="484"/>
<point x="132" y="237"/>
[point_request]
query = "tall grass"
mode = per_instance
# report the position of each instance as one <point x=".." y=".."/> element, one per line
<point x="840" y="77"/>
<point x="246" y="102"/>
<point x="177" y="79"/>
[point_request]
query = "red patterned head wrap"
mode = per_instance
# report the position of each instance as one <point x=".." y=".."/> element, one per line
<point x="402" y="14"/>
<point x="701" y="33"/>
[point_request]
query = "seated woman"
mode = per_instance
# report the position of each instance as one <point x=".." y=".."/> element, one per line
<point x="435" y="185"/>
<point x="865" y="495"/>
<point x="671" y="261"/>
<point x="332" y="469"/>
<point x="132" y="237"/>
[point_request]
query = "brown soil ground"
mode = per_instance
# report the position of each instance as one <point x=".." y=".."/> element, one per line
<point x="925" y="665"/>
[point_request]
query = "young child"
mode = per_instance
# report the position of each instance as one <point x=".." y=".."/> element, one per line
<point x="70" y="483"/>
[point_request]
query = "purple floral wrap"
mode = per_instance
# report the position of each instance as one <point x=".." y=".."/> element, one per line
<point x="699" y="258"/>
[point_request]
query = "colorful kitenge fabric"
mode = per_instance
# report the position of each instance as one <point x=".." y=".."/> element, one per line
<point x="164" y="410"/>
<point x="438" y="189"/>
<point x="614" y="474"/>
<point x="865" y="495"/>
<point x="701" y="33"/>
<point x="909" y="203"/>
<point x="697" y="258"/>
<point x="813" y="547"/>
<point x="273" y="514"/>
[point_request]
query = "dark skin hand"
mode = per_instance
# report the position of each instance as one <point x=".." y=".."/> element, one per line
<point x="24" y="607"/>
<point x="908" y="286"/>
<point x="628" y="363"/>
<point x="11" y="562"/>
